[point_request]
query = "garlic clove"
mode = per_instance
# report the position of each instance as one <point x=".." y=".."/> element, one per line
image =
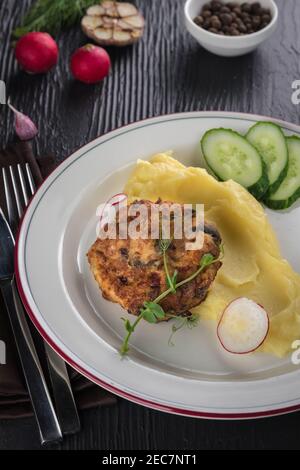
<point x="119" y="35"/>
<point x="108" y="22"/>
<point x="123" y="25"/>
<point x="91" y="22"/>
<point x="96" y="10"/>
<point x="24" y="126"/>
<point x="111" y="9"/>
<point x="136" y="34"/>
<point x="126" y="9"/>
<point x="103" y="34"/>
<point x="136" y="21"/>
<point x="108" y="4"/>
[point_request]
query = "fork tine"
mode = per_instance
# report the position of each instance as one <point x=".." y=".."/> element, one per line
<point x="11" y="209"/>
<point x="23" y="185"/>
<point x="16" y="193"/>
<point x="30" y="179"/>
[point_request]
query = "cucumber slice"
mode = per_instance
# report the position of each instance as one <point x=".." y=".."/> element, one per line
<point x="269" y="141"/>
<point x="289" y="190"/>
<point x="231" y="156"/>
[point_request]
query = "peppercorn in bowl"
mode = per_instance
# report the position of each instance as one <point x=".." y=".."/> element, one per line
<point x="231" y="28"/>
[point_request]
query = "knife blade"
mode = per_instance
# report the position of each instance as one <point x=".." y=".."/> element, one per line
<point x="37" y="388"/>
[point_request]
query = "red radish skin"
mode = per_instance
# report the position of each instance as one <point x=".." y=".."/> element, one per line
<point x="90" y="64"/>
<point x="119" y="196"/>
<point x="36" y="52"/>
<point x="123" y="196"/>
<point x="244" y="352"/>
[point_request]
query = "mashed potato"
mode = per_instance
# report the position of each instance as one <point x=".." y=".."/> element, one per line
<point x="253" y="266"/>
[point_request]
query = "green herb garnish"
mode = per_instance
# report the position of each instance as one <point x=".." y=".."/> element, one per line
<point x="189" y="322"/>
<point x="171" y="280"/>
<point x="52" y="16"/>
<point x="152" y="312"/>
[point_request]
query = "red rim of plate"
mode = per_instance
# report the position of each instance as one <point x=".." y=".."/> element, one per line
<point x="107" y="386"/>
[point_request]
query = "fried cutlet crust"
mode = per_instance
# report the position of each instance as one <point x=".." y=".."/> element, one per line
<point x="131" y="271"/>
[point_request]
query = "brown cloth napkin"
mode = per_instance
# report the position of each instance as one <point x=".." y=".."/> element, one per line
<point x="14" y="401"/>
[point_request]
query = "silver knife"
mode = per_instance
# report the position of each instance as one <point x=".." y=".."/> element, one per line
<point x="34" y="377"/>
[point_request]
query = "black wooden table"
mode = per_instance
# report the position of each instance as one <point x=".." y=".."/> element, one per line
<point x="166" y="72"/>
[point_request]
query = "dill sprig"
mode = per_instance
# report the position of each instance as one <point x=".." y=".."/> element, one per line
<point x="52" y="16"/>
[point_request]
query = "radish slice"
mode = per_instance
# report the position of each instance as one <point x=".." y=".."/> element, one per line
<point x="113" y="201"/>
<point x="243" y="326"/>
<point x="116" y="199"/>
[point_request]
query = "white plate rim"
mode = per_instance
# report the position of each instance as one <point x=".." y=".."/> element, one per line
<point x="285" y="407"/>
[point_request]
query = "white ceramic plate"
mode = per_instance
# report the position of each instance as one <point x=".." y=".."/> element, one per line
<point x="195" y="377"/>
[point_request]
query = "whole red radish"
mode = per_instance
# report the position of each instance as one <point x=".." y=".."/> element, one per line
<point x="90" y="64"/>
<point x="36" y="52"/>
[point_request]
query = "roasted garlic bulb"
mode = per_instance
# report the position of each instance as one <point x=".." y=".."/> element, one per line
<point x="113" y="23"/>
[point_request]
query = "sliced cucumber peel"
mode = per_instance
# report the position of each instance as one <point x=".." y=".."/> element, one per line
<point x="289" y="190"/>
<point x="269" y="141"/>
<point x="230" y="156"/>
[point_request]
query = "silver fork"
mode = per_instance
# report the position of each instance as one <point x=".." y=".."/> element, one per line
<point x="62" y="391"/>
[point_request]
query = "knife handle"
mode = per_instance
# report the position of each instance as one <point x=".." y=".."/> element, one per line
<point x="34" y="377"/>
<point x="62" y="392"/>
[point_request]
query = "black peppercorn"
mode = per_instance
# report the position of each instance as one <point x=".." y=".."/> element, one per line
<point x="256" y="8"/>
<point x="199" y="20"/>
<point x="242" y="28"/>
<point x="232" y="5"/>
<point x="225" y="10"/>
<point x="206" y="14"/>
<point x="226" y="18"/>
<point x="215" y="22"/>
<point x="233" y="18"/>
<point x="206" y="23"/>
<point x="237" y="11"/>
<point x="256" y="20"/>
<point x="246" y="7"/>
<point x="216" y="5"/>
<point x="266" y="18"/>
<point x="234" y="32"/>
<point x="245" y="16"/>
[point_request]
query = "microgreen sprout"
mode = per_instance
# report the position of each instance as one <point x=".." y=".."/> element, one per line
<point x="152" y="312"/>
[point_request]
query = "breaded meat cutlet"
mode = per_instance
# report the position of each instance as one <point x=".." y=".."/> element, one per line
<point x="130" y="272"/>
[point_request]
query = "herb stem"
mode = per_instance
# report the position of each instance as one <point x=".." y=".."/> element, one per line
<point x="181" y="283"/>
<point x="155" y="315"/>
<point x="196" y="273"/>
<point x="170" y="280"/>
<point x="124" y="349"/>
<point x="163" y="295"/>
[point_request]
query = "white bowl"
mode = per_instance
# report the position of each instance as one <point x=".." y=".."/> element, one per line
<point x="228" y="46"/>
